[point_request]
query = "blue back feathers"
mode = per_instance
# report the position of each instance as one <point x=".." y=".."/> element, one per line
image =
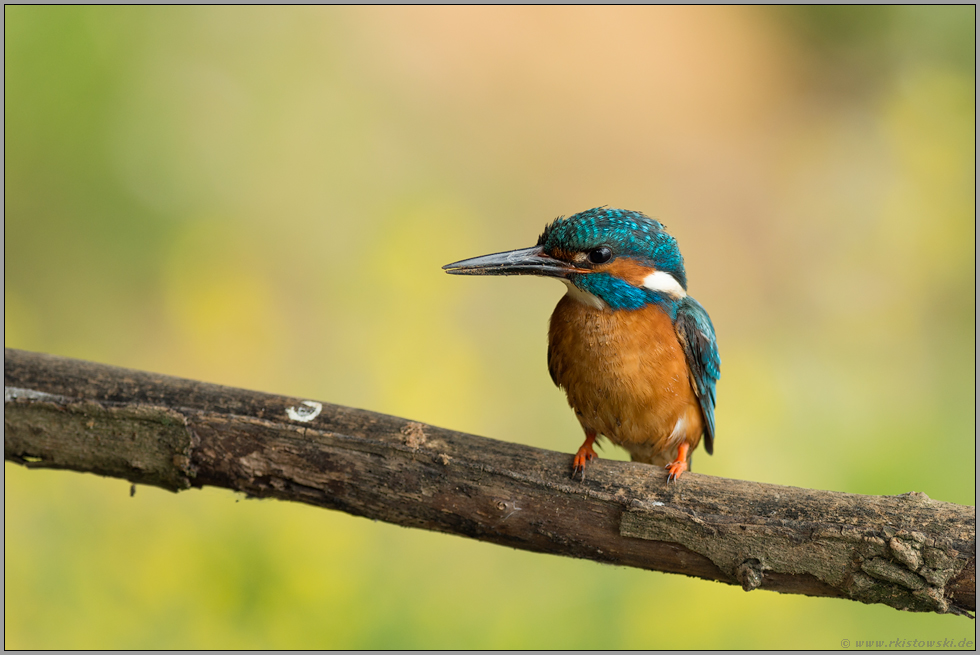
<point x="696" y="335"/>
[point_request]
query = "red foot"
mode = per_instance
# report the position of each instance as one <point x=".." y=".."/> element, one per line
<point x="584" y="455"/>
<point x="679" y="465"/>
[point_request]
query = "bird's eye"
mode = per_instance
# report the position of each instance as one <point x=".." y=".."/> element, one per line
<point x="600" y="255"/>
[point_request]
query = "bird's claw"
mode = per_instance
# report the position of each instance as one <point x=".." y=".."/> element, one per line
<point x="679" y="465"/>
<point x="584" y="455"/>
<point x="675" y="469"/>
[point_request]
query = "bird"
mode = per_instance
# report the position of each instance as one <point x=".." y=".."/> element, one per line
<point x="636" y="355"/>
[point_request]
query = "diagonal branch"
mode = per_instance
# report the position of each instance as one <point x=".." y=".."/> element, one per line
<point x="908" y="551"/>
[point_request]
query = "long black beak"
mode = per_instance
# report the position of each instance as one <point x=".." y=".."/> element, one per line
<point x="527" y="261"/>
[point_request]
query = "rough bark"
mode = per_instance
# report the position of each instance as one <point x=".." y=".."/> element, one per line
<point x="907" y="551"/>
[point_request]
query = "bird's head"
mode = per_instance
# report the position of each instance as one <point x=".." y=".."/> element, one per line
<point x="609" y="258"/>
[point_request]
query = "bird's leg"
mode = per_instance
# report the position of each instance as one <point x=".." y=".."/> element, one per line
<point x="679" y="465"/>
<point x="584" y="455"/>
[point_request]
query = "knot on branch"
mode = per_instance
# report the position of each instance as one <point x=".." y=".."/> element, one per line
<point x="749" y="574"/>
<point x="414" y="435"/>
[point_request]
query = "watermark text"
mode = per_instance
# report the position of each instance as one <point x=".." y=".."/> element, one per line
<point x="908" y="643"/>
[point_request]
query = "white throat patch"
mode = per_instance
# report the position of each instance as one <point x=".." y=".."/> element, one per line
<point x="584" y="297"/>
<point x="665" y="283"/>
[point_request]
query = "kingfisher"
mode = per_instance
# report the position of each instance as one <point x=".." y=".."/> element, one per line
<point x="636" y="356"/>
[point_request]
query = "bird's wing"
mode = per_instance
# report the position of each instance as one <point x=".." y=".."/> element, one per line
<point x="697" y="337"/>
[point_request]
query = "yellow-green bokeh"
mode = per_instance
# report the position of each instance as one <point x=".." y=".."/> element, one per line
<point x="263" y="197"/>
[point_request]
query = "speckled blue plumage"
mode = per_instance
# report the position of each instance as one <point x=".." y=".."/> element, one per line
<point x="627" y="233"/>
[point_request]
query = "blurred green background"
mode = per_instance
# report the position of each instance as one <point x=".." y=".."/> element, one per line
<point x="263" y="197"/>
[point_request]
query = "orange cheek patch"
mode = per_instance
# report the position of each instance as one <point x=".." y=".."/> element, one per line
<point x="626" y="269"/>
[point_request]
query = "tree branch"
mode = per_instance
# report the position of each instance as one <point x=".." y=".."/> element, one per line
<point x="907" y="551"/>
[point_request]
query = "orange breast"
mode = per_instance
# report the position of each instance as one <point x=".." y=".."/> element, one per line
<point x="626" y="377"/>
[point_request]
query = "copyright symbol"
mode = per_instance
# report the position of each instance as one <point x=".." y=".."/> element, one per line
<point x="845" y="643"/>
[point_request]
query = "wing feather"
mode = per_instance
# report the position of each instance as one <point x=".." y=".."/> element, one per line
<point x="697" y="337"/>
